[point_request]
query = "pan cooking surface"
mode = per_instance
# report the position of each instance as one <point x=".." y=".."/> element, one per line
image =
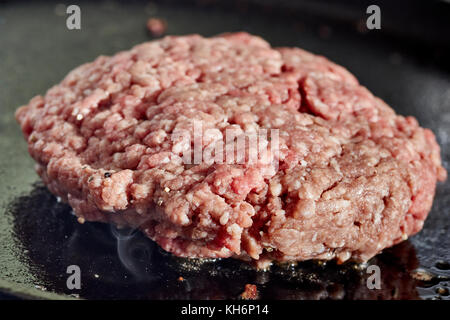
<point x="39" y="238"/>
<point x="123" y="264"/>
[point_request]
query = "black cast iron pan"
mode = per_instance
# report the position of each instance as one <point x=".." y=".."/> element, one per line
<point x="405" y="63"/>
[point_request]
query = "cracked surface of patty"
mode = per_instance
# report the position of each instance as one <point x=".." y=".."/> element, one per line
<point x="352" y="177"/>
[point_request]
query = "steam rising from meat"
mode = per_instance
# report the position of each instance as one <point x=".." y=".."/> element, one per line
<point x="135" y="253"/>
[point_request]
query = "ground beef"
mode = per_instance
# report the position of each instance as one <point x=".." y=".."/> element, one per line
<point x="351" y="177"/>
<point x="156" y="27"/>
<point x="250" y="292"/>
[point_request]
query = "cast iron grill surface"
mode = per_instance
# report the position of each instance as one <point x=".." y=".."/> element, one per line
<point x="39" y="238"/>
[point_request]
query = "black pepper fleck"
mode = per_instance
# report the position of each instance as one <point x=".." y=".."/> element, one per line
<point x="108" y="174"/>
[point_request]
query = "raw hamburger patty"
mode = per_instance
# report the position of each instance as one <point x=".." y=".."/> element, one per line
<point x="351" y="177"/>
